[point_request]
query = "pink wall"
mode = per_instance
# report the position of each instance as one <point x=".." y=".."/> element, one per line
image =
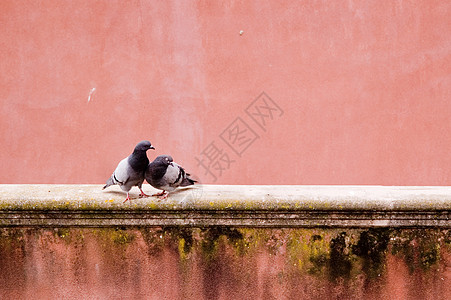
<point x="364" y="87"/>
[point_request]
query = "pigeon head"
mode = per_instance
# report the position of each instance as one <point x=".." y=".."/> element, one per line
<point x="165" y="159"/>
<point x="144" y="146"/>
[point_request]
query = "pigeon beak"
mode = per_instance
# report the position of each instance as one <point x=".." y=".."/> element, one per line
<point x="152" y="147"/>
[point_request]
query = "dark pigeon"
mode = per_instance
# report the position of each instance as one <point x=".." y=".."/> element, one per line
<point x="130" y="171"/>
<point x="166" y="175"/>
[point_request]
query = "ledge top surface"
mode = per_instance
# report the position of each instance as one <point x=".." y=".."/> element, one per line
<point x="227" y="197"/>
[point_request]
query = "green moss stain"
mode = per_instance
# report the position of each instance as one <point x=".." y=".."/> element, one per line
<point x="121" y="237"/>
<point x="298" y="248"/>
<point x="115" y="236"/>
<point x="210" y="239"/>
<point x="182" y="249"/>
<point x="318" y="254"/>
<point x="430" y="256"/>
<point x="183" y="237"/>
<point x="11" y="239"/>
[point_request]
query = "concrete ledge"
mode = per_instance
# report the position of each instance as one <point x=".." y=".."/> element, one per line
<point x="219" y="205"/>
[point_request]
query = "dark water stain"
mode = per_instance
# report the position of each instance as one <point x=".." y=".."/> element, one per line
<point x="420" y="248"/>
<point x="372" y="248"/>
<point x="340" y="261"/>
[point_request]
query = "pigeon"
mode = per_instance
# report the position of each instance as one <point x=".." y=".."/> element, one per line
<point x="166" y="175"/>
<point x="130" y="171"/>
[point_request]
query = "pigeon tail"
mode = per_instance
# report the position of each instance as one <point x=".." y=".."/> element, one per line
<point x="187" y="181"/>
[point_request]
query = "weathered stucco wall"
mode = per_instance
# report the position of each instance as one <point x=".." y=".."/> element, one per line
<point x="224" y="263"/>
<point x="225" y="242"/>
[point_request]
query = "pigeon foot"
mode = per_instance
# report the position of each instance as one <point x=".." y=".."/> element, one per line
<point x="159" y="194"/>
<point x="126" y="199"/>
<point x="142" y="194"/>
<point x="162" y="197"/>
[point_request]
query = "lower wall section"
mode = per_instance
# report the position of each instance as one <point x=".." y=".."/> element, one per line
<point x="224" y="263"/>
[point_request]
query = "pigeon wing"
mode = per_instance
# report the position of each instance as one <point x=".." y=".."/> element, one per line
<point x="122" y="172"/>
<point x="174" y="175"/>
<point x="183" y="177"/>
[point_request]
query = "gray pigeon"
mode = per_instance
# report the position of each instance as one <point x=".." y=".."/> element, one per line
<point x="130" y="171"/>
<point x="166" y="175"/>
